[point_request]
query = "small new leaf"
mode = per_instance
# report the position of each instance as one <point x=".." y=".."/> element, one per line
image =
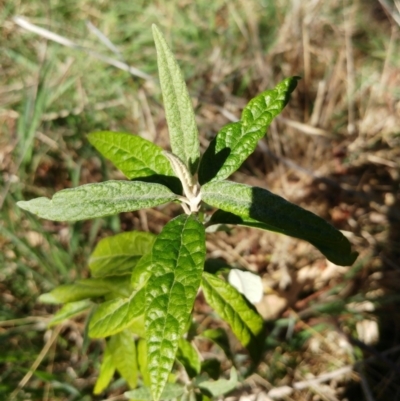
<point x="98" y="200"/>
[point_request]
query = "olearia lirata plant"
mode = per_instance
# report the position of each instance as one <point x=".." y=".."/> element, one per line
<point x="143" y="286"/>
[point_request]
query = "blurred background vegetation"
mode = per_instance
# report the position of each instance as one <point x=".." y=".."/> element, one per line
<point x="335" y="150"/>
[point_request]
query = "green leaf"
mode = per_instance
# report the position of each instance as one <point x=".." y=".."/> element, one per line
<point x="237" y="141"/>
<point x="120" y="253"/>
<point x="142" y="361"/>
<point x="142" y="272"/>
<point x="177" y="263"/>
<point x="107" y="370"/>
<point x="189" y="358"/>
<point x="245" y="322"/>
<point x="137" y="326"/>
<point x="171" y="391"/>
<point x="113" y="316"/>
<point x="84" y="289"/>
<point x="98" y="200"/>
<point x="123" y="350"/>
<point x="220" y="387"/>
<point x="257" y="207"/>
<point x="179" y="112"/>
<point x="136" y="157"/>
<point x="69" y="310"/>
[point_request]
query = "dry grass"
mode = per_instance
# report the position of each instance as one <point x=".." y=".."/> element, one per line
<point x="335" y="150"/>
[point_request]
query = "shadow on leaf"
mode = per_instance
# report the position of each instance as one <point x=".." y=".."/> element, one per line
<point x="212" y="162"/>
<point x="172" y="183"/>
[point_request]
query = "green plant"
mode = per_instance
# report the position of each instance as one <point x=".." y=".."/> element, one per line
<point x="146" y="285"/>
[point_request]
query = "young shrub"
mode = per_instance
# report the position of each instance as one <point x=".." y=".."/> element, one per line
<point x="144" y="286"/>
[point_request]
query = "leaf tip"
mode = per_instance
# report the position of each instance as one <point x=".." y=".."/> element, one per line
<point x="22" y="204"/>
<point x="38" y="206"/>
<point x="91" y="136"/>
<point x="292" y="83"/>
<point x="353" y="257"/>
<point x="155" y="29"/>
<point x="33" y="205"/>
<point x="48" y="298"/>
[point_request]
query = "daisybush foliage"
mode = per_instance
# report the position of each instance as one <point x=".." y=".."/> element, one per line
<point x="143" y="286"/>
